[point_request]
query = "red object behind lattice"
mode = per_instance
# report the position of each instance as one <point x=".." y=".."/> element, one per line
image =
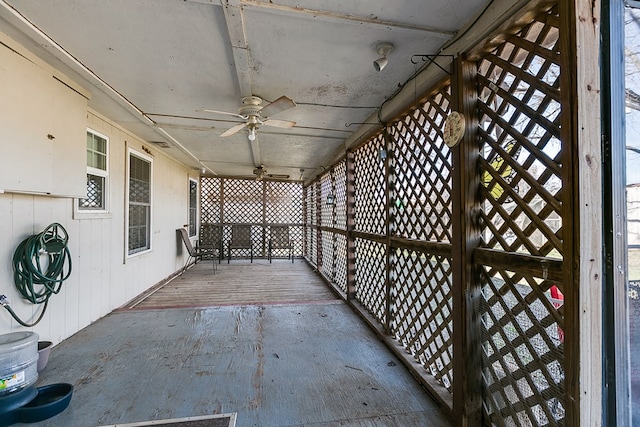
<point x="558" y="296"/>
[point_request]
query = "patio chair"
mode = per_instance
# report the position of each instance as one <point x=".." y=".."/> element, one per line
<point x="240" y="239"/>
<point x="195" y="253"/>
<point x="280" y="240"/>
<point x="211" y="236"/>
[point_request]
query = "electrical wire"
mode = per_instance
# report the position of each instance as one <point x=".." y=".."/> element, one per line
<point x="36" y="280"/>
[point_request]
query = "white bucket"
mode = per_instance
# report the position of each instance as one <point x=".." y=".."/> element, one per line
<point x="18" y="361"/>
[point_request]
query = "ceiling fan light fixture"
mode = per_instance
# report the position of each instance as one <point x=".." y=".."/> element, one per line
<point x="252" y="134"/>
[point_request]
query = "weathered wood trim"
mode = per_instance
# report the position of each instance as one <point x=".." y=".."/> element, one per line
<point x="331" y="229"/>
<point x="582" y="175"/>
<point x="318" y="223"/>
<point x="351" y="244"/>
<point x="427" y="247"/>
<point x="528" y="265"/>
<point x="378" y="238"/>
<point x="467" y="372"/>
<point x="388" y="229"/>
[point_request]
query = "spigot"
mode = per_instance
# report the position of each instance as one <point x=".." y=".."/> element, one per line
<point x="4" y="301"/>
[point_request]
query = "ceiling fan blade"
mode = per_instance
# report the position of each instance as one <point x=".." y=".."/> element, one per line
<point x="233" y="130"/>
<point x="275" y="107"/>
<point x="277" y="176"/>
<point x="226" y="113"/>
<point x="279" y="123"/>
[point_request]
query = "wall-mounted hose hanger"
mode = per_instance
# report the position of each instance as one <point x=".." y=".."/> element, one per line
<point x="40" y="264"/>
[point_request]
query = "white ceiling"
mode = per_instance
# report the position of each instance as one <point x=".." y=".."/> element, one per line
<point x="152" y="65"/>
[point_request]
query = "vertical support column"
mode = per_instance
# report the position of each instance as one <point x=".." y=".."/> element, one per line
<point x="264" y="217"/>
<point x="387" y="230"/>
<point x="318" y="224"/>
<point x="221" y="205"/>
<point x="333" y="224"/>
<point x="351" y="221"/>
<point x="467" y="360"/>
<point x="305" y="222"/>
<point x="582" y="209"/>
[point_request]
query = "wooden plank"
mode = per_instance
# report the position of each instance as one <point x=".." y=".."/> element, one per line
<point x="467" y="377"/>
<point x="240" y="282"/>
<point x="529" y="265"/>
<point x="351" y="244"/>
<point x="581" y="158"/>
<point x="429" y="247"/>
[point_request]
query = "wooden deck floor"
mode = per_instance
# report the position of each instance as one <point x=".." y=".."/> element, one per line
<point x="240" y="282"/>
<point x="275" y="365"/>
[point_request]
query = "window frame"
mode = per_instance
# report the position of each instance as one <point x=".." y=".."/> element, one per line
<point x="134" y="153"/>
<point x="105" y="211"/>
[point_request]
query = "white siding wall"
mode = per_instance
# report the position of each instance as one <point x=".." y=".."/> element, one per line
<point x="103" y="278"/>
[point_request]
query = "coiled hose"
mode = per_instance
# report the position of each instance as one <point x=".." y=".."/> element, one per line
<point x="37" y="281"/>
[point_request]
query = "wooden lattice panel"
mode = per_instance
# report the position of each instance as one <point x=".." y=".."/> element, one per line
<point x="422" y="311"/>
<point x="328" y="246"/>
<point x="313" y="253"/>
<point x="340" y="184"/>
<point x="326" y="208"/>
<point x="370" y="277"/>
<point x="520" y="132"/>
<point x="340" y="255"/>
<point x="422" y="164"/>
<point x="283" y="202"/>
<point x="228" y="202"/>
<point x="521" y="184"/>
<point x="311" y="249"/>
<point x="523" y="360"/>
<point x="307" y="221"/>
<point x="209" y="200"/>
<point x="242" y="201"/>
<point x="370" y="203"/>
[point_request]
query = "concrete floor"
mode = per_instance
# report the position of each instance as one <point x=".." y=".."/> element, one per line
<point x="274" y="365"/>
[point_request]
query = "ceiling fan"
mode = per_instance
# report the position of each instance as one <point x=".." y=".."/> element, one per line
<point x="261" y="172"/>
<point x="256" y="115"/>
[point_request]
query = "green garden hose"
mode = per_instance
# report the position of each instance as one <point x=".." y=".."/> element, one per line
<point x="40" y="264"/>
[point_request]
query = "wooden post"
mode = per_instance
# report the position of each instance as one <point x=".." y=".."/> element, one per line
<point x="582" y="212"/>
<point x="333" y="224"/>
<point x="351" y="244"/>
<point x="467" y="366"/>
<point x="318" y="224"/>
<point x="305" y="222"/>
<point x="387" y="230"/>
<point x="264" y="218"/>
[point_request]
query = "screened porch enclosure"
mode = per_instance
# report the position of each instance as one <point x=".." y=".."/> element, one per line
<point x="457" y="253"/>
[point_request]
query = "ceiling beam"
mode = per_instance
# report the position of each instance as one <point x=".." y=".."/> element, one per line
<point x="335" y="16"/>
<point x="239" y="45"/>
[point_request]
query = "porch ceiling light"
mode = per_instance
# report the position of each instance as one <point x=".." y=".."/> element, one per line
<point x="383" y="49"/>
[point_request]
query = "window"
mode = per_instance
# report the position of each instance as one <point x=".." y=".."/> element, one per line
<point x="193" y="207"/>
<point x="97" y="173"/>
<point x="139" y="201"/>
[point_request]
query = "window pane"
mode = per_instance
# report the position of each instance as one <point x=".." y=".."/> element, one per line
<point x="139" y="204"/>
<point x="96" y="151"/>
<point x="95" y="193"/>
<point x="139" y="183"/>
